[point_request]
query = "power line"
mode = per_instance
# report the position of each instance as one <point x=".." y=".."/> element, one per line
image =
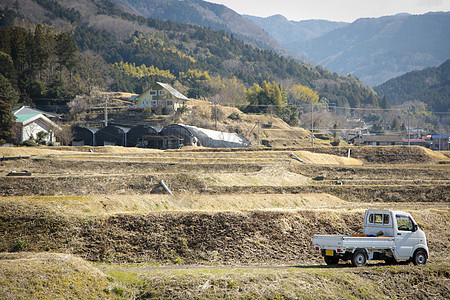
<point x="66" y="107"/>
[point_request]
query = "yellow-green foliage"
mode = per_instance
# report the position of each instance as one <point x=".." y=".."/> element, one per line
<point x="303" y="94"/>
<point x="141" y="71"/>
<point x="195" y="75"/>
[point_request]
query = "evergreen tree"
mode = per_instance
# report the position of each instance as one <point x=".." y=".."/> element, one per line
<point x="8" y="97"/>
<point x="7" y="68"/>
<point x="41" y="51"/>
<point x="266" y="99"/>
<point x="6" y="122"/>
<point x="66" y="49"/>
<point x="384" y="103"/>
<point x="7" y="91"/>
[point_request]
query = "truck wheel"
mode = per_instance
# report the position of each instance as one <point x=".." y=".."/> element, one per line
<point x="331" y="260"/>
<point x="419" y="257"/>
<point x="359" y="258"/>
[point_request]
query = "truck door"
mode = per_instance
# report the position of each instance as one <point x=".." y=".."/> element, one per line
<point x="406" y="237"/>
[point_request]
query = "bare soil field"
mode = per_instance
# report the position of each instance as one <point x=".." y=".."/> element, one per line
<point x="97" y="222"/>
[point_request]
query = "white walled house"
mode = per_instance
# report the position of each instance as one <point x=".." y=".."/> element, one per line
<point x="160" y="98"/>
<point x="29" y="124"/>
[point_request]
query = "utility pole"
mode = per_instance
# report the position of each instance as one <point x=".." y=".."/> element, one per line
<point x="106" y="110"/>
<point x="215" y="113"/>
<point x="259" y="122"/>
<point x="312" y="125"/>
<point x="409" y="134"/>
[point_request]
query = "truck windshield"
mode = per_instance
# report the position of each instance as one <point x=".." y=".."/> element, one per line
<point x="404" y="223"/>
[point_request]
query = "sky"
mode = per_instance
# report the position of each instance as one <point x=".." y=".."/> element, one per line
<point x="333" y="10"/>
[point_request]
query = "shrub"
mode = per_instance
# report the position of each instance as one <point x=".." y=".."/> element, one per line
<point x="178" y="260"/>
<point x="18" y="246"/>
<point x="30" y="143"/>
<point x="335" y="142"/>
<point x="234" y="116"/>
<point x="119" y="290"/>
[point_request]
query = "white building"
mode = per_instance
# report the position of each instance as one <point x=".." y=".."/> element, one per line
<point x="31" y="121"/>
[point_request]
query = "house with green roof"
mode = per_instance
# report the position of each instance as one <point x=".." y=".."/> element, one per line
<point x="30" y="122"/>
<point x="160" y="98"/>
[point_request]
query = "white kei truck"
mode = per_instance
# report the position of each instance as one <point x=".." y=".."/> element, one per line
<point x="388" y="235"/>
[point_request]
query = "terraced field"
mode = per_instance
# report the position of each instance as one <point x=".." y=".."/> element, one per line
<point x="239" y="223"/>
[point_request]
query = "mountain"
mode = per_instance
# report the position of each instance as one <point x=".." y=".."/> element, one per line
<point x="68" y="48"/>
<point x="287" y="32"/>
<point x="371" y="49"/>
<point x="206" y="14"/>
<point x="430" y="85"/>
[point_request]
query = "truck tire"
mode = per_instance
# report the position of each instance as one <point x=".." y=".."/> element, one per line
<point x="359" y="258"/>
<point x="331" y="260"/>
<point x="419" y="257"/>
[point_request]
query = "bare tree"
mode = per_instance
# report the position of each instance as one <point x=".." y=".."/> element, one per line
<point x="63" y="133"/>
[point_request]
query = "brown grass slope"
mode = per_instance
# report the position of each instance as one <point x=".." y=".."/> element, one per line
<point x="51" y="276"/>
<point x="253" y="211"/>
<point x="226" y="237"/>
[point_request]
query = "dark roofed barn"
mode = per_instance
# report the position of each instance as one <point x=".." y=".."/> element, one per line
<point x="175" y="130"/>
<point x="112" y="135"/>
<point x="135" y="134"/>
<point x="83" y="136"/>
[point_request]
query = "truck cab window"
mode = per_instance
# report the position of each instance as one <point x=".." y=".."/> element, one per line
<point x="404" y="223"/>
<point x="385" y="219"/>
<point x="378" y="219"/>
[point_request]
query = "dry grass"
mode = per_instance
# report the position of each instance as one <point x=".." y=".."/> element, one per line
<point x="51" y="276"/>
<point x="293" y="282"/>
<point x="439" y="156"/>
<point x="116" y="153"/>
<point x="98" y="205"/>
<point x="326" y="159"/>
<point x="231" y="228"/>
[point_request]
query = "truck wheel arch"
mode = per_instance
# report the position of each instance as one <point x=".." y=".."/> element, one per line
<point x="419" y="257"/>
<point x="359" y="258"/>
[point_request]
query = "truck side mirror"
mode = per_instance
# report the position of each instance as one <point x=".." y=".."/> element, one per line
<point x="415" y="227"/>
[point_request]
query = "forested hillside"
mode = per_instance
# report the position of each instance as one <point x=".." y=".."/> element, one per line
<point x="431" y="86"/>
<point x="85" y="45"/>
<point x="208" y="15"/>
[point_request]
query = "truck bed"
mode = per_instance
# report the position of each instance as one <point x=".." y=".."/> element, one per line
<point x="351" y="242"/>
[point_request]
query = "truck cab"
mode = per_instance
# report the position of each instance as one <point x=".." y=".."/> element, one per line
<point x="387" y="235"/>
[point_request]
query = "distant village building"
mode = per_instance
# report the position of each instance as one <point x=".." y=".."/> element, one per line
<point x="376" y="140"/>
<point x="30" y="122"/>
<point x="440" y="142"/>
<point x="160" y="98"/>
<point x="415" y="142"/>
